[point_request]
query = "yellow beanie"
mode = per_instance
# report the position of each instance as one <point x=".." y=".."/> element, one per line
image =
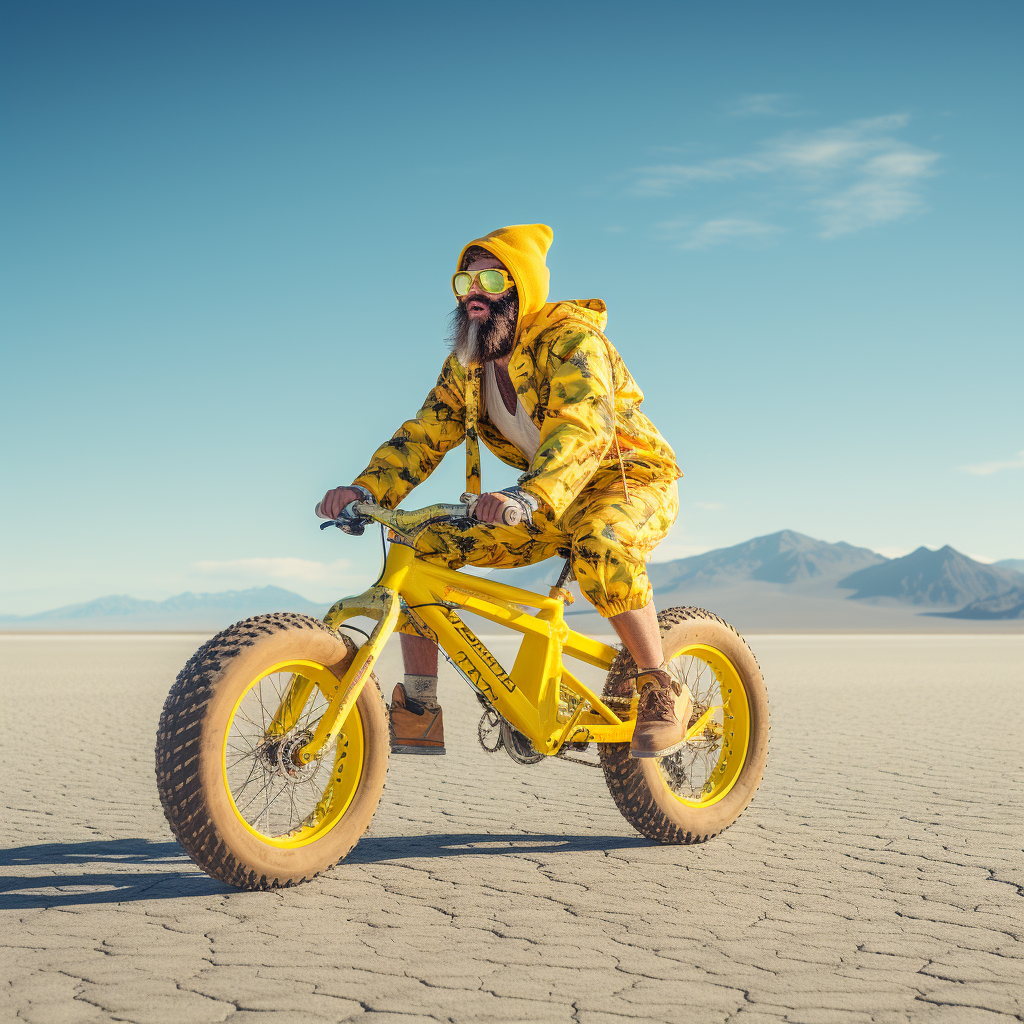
<point x="523" y="249"/>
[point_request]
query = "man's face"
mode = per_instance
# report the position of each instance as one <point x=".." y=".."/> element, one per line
<point x="478" y="302"/>
<point x="484" y="323"/>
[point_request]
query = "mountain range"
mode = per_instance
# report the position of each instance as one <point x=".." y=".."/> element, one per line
<point x="785" y="557"/>
<point x="181" y="613"/>
<point x="782" y="581"/>
<point x="943" y="577"/>
<point x="788" y="580"/>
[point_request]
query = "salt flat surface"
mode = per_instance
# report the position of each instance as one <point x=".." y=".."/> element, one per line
<point x="876" y="877"/>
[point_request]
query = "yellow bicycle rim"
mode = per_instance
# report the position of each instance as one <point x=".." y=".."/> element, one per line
<point x="702" y="772"/>
<point x="281" y="803"/>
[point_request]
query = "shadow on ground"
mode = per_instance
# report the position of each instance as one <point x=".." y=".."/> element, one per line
<point x="179" y="878"/>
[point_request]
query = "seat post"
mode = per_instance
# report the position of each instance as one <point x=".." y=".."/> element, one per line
<point x="565" y="576"/>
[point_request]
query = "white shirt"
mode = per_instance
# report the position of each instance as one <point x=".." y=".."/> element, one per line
<point x="518" y="428"/>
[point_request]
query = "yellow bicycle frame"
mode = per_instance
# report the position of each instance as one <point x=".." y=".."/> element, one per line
<point x="417" y="597"/>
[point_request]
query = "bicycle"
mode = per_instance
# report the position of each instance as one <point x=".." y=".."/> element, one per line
<point x="273" y="743"/>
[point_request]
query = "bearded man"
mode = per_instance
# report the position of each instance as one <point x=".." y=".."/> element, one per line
<point x="547" y="392"/>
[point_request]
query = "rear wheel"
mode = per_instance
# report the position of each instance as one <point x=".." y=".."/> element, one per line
<point x="694" y="793"/>
<point x="234" y="797"/>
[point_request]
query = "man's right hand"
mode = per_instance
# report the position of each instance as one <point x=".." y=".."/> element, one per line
<point x="334" y="501"/>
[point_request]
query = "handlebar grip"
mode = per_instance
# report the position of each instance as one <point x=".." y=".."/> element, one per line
<point x="348" y="519"/>
<point x="512" y="515"/>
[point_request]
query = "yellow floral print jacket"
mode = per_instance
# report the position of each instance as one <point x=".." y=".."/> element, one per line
<point x="577" y="390"/>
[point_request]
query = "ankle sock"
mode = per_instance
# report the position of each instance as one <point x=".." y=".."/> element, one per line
<point x="422" y="689"/>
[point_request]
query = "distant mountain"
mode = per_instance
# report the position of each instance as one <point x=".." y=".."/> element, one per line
<point x="1013" y="564"/>
<point x="943" y="577"/>
<point x="184" y="611"/>
<point x="784" y="557"/>
<point x="1003" y="606"/>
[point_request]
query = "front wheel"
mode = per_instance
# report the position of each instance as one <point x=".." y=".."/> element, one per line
<point x="691" y="795"/>
<point x="233" y="795"/>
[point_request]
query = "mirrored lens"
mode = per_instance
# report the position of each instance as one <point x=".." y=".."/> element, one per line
<point x="492" y="281"/>
<point x="462" y="283"/>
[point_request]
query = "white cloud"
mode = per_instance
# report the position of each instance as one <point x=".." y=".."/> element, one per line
<point x="715" y="232"/>
<point x="886" y="192"/>
<point x="849" y="177"/>
<point x="769" y="104"/>
<point x="988" y="468"/>
<point x="261" y="570"/>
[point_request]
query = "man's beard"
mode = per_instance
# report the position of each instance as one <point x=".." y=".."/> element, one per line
<point x="483" y="340"/>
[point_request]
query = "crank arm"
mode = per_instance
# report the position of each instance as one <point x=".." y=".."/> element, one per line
<point x="570" y="727"/>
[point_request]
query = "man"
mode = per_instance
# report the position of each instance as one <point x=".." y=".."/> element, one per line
<point x="543" y="387"/>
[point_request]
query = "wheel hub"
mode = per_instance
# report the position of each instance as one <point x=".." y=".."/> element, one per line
<point x="280" y="756"/>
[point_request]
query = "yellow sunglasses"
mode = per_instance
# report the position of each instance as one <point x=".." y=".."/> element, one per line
<point x="492" y="281"/>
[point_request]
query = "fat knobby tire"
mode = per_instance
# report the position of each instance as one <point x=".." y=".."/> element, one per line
<point x="635" y="785"/>
<point x="189" y="744"/>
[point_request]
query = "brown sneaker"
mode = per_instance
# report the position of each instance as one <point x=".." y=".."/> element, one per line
<point x="662" y="715"/>
<point x="415" y="729"/>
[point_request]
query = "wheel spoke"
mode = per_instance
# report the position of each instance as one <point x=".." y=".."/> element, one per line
<point x="266" y="785"/>
<point x="238" y="734"/>
<point x="242" y="757"/>
<point x="252" y="772"/>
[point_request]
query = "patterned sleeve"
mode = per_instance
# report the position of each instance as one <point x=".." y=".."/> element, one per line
<point x="419" y="444"/>
<point x="579" y="425"/>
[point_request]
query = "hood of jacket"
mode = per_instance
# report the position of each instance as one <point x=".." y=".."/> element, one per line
<point x="586" y="313"/>
<point x="523" y="248"/>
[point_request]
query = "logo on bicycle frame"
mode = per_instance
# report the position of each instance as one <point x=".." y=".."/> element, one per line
<point x="484" y="655"/>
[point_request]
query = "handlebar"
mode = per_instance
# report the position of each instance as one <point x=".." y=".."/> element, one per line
<point x="356" y="514"/>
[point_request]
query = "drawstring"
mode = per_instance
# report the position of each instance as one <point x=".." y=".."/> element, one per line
<point x="473" y="375"/>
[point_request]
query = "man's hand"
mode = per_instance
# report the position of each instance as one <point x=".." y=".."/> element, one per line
<point x="490" y="507"/>
<point x="334" y="501"/>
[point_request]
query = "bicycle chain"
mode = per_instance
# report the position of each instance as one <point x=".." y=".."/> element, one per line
<point x="618" y="702"/>
<point x="577" y="760"/>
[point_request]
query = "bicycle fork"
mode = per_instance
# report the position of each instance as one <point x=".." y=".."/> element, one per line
<point x="380" y="603"/>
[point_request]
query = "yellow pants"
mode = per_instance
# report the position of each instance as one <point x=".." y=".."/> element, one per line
<point x="609" y="540"/>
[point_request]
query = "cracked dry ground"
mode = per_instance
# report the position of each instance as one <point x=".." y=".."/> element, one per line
<point x="876" y="877"/>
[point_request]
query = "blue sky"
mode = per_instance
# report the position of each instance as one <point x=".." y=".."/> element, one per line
<point x="227" y="232"/>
